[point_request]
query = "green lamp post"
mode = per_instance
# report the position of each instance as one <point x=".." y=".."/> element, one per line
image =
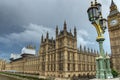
<point x="103" y="70"/>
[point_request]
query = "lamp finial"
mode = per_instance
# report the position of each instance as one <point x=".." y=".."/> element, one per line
<point x="91" y="3"/>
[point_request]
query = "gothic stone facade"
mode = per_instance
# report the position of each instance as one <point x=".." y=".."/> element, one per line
<point x="28" y="64"/>
<point x="60" y="57"/>
<point x="2" y="65"/>
<point x="114" y="32"/>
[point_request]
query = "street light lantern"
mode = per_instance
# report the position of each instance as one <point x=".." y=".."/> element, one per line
<point x="92" y="13"/>
<point x="103" y="69"/>
<point x="103" y="24"/>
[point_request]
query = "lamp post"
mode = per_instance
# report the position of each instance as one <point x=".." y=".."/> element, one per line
<point x="103" y="70"/>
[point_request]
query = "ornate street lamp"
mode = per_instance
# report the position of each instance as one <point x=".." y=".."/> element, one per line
<point x="103" y="70"/>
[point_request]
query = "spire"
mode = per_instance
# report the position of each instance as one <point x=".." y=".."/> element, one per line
<point x="75" y="32"/>
<point x="42" y="38"/>
<point x="57" y="30"/>
<point x="113" y="6"/>
<point x="88" y="50"/>
<point x="65" y="26"/>
<point x="91" y="50"/>
<point x="112" y="3"/>
<point x="84" y="49"/>
<point x="80" y="47"/>
<point x="47" y="35"/>
<point x="52" y="40"/>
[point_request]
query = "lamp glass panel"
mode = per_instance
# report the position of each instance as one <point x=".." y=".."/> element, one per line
<point x="101" y="22"/>
<point x="95" y="12"/>
<point x="91" y="14"/>
<point x="99" y="7"/>
<point x="104" y="23"/>
<point x="88" y="14"/>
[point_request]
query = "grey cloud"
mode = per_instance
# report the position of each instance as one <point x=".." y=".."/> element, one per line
<point x="16" y="15"/>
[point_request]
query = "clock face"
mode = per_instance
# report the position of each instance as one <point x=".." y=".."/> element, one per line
<point x="113" y="22"/>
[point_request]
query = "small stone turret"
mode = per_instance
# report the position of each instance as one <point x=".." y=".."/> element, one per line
<point x="65" y="26"/>
<point x="56" y="30"/>
<point x="75" y="32"/>
<point x="42" y="38"/>
<point x="88" y="50"/>
<point x="47" y="35"/>
<point x="80" y="47"/>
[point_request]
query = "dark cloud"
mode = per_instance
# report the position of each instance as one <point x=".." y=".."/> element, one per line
<point x="17" y="15"/>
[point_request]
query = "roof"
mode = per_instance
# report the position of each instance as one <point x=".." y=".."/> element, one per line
<point x="27" y="50"/>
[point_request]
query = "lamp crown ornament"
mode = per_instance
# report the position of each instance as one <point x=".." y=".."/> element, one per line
<point x="91" y="3"/>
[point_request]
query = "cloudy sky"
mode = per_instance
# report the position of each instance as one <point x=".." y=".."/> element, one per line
<point x="23" y="22"/>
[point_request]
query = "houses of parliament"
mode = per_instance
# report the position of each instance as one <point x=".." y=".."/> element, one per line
<point x="60" y="57"/>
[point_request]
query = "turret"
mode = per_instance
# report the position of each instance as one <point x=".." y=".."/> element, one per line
<point x="47" y="35"/>
<point x="42" y="38"/>
<point x="88" y="50"/>
<point x="56" y="31"/>
<point x="91" y="50"/>
<point x="80" y="47"/>
<point x="84" y="49"/>
<point x="65" y="26"/>
<point x="52" y="40"/>
<point x="75" y="33"/>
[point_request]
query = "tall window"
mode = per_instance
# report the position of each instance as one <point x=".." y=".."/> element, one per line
<point x="48" y="67"/>
<point x="68" y="42"/>
<point x="54" y="57"/>
<point x="73" y="43"/>
<point x="68" y="56"/>
<point x="60" y="66"/>
<point x="73" y="67"/>
<point x="51" y="67"/>
<point x="68" y="66"/>
<point x="54" y="67"/>
<point x="79" y="67"/>
<point x="88" y="67"/>
<point x="79" y="57"/>
<point x="51" y="57"/>
<point x="60" y="58"/>
<point x="48" y="57"/>
<point x="43" y="66"/>
<point x="73" y="56"/>
<point x="60" y="43"/>
<point x="91" y="68"/>
<point x="83" y="67"/>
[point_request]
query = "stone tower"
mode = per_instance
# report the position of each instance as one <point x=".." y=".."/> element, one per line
<point x="114" y="33"/>
<point x="66" y="45"/>
<point x="60" y="57"/>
